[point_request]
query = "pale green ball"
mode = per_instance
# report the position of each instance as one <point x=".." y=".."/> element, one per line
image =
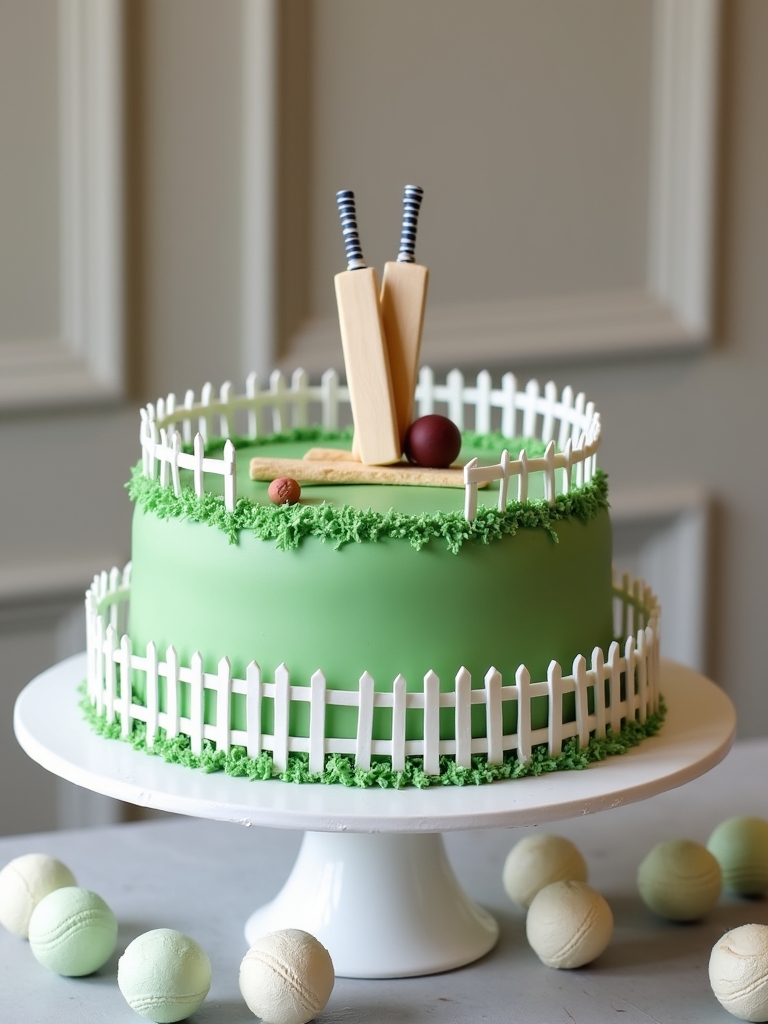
<point x="23" y="883"/>
<point x="680" y="880"/>
<point x="164" y="975"/>
<point x="740" y="847"/>
<point x="538" y="860"/>
<point x="72" y="932"/>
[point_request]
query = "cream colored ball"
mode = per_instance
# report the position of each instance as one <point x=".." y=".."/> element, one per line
<point x="286" y="977"/>
<point x="23" y="883"/>
<point x="569" y="924"/>
<point x="740" y="847"/>
<point x="738" y="972"/>
<point x="680" y="880"/>
<point x="538" y="860"/>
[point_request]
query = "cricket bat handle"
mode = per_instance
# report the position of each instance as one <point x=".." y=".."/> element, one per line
<point x="345" y="200"/>
<point x="412" y="197"/>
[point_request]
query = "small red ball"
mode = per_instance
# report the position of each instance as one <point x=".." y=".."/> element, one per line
<point x="284" y="491"/>
<point x="432" y="441"/>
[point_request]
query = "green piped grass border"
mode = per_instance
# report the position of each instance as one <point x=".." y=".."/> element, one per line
<point x="340" y="769"/>
<point x="288" y="525"/>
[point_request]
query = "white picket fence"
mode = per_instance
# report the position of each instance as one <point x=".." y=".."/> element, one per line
<point x="629" y="674"/>
<point x="566" y="422"/>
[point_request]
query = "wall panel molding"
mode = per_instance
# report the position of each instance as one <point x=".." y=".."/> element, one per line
<point x="84" y="363"/>
<point x="672" y="311"/>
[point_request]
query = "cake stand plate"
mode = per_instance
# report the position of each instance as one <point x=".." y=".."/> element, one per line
<point x="372" y="880"/>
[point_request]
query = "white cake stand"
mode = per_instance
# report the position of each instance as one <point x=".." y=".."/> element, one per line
<point x="372" y="880"/>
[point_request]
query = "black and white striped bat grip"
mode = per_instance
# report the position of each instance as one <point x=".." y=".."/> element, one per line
<point x="412" y="196"/>
<point x="345" y="200"/>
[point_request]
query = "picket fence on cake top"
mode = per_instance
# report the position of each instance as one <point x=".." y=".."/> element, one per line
<point x="631" y="670"/>
<point x="567" y="424"/>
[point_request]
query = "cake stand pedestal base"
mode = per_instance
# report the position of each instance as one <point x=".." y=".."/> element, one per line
<point x="386" y="906"/>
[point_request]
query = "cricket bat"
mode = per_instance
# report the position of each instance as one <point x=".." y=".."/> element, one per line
<point x="377" y="437"/>
<point x="403" y="297"/>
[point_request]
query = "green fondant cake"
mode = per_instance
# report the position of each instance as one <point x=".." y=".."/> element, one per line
<point x="394" y="584"/>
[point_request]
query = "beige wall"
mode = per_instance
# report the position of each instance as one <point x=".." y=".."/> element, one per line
<point x="698" y="419"/>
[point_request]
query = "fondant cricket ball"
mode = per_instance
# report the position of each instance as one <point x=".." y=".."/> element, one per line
<point x="23" y="883"/>
<point x="738" y="972"/>
<point x="569" y="924"/>
<point x="432" y="441"/>
<point x="538" y="860"/>
<point x="72" y="932"/>
<point x="164" y="975"/>
<point x="680" y="880"/>
<point x="740" y="847"/>
<point x="286" y="977"/>
<point x="284" y="491"/>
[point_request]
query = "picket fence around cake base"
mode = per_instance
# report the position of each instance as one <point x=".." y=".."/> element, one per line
<point x="630" y="670"/>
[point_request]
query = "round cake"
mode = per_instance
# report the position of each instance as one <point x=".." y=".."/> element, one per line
<point x="402" y="630"/>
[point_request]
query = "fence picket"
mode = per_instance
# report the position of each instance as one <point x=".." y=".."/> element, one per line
<point x="398" y="724"/>
<point x="364" y="722"/>
<point x="300" y="398"/>
<point x="251" y="392"/>
<point x="170" y="410"/>
<point x="454" y="383"/>
<point x="463" y="725"/>
<point x="629" y="677"/>
<point x="509" y="405"/>
<point x="530" y="408"/>
<point x="175" y="450"/>
<point x="151" y="696"/>
<point x="493" y="725"/>
<point x="598" y="670"/>
<point x="225" y="397"/>
<point x="431" y="724"/>
<point x="205" y="400"/>
<point x="277" y="394"/>
<point x="224" y="706"/>
<point x="280" y="727"/>
<point x="126" y="689"/>
<point x="522" y="480"/>
<point x="317" y="723"/>
<point x="186" y="426"/>
<point x="329" y="397"/>
<point x="483" y="406"/>
<point x="504" y="483"/>
<point x="550" y="488"/>
<point x="614" y="664"/>
<point x="197" y="703"/>
<point x="253" y="710"/>
<point x="642" y="676"/>
<point x="555" y="723"/>
<point x="230" y="477"/>
<point x="470" y="492"/>
<point x="198" y="467"/>
<point x="425" y="391"/>
<point x="523" y="684"/>
<point x="99" y="665"/>
<point x="568" y="467"/>
<point x="109" y="672"/>
<point x="566" y="418"/>
<point x="548" y="424"/>
<point x="171" y="693"/>
<point x="581" y="682"/>
<point x="164" y="465"/>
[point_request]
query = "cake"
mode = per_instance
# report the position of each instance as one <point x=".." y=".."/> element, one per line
<point x="444" y="647"/>
<point x="429" y="623"/>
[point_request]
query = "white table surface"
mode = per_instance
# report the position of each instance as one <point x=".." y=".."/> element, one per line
<point x="204" y="877"/>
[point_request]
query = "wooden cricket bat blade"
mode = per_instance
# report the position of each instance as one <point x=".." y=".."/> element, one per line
<point x="403" y="299"/>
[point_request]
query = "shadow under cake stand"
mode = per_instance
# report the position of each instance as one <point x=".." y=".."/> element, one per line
<point x="372" y="880"/>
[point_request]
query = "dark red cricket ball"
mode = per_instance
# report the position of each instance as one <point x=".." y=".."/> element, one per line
<point x="433" y="441"/>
